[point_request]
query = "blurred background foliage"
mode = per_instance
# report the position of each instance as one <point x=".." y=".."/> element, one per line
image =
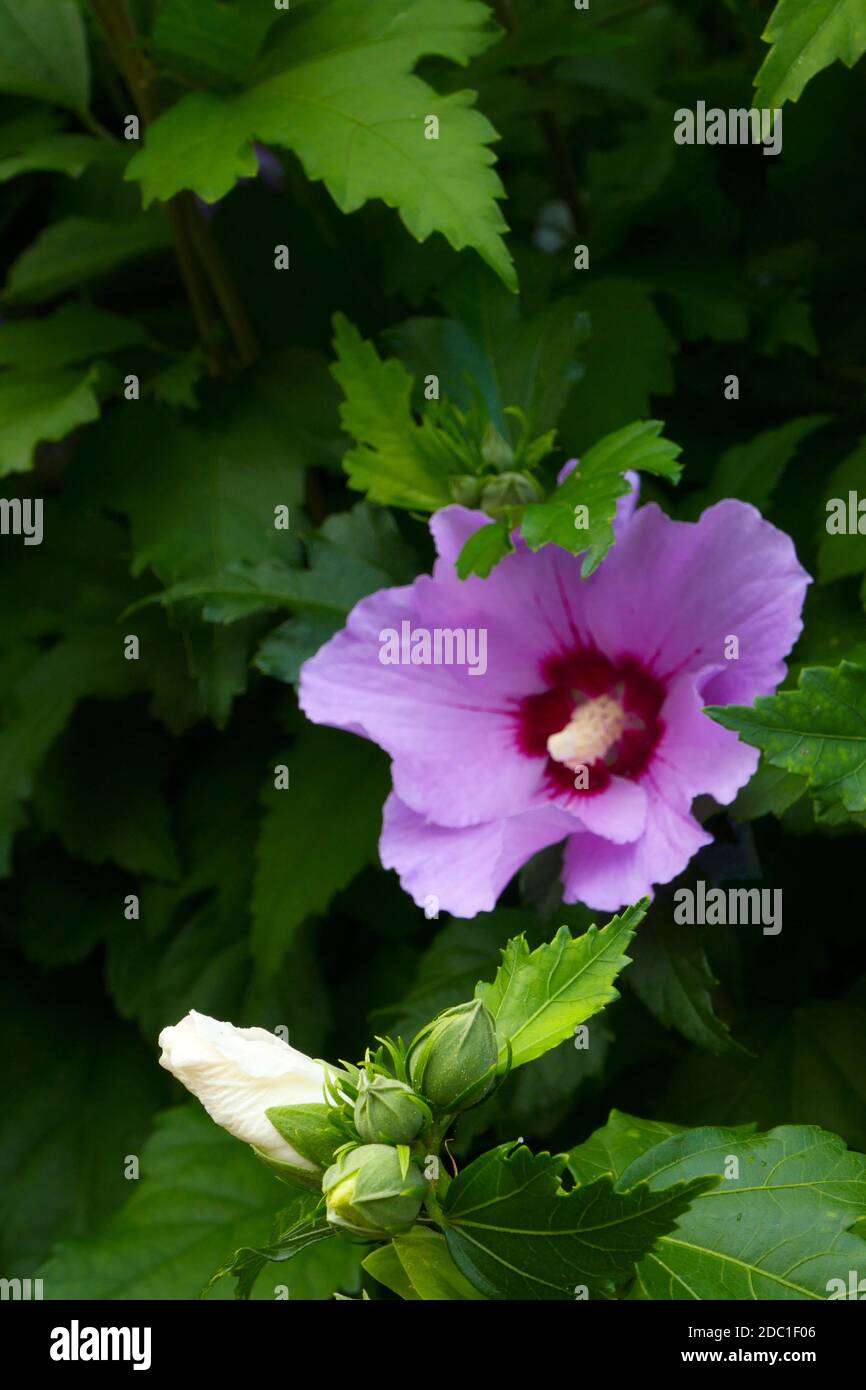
<point x="155" y="777"/>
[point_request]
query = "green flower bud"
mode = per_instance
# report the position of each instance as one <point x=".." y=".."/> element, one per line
<point x="367" y="1193"/>
<point x="509" y="490"/>
<point x="465" y="489"/>
<point x="387" y="1111"/>
<point x="453" y="1061"/>
<point x="496" y="450"/>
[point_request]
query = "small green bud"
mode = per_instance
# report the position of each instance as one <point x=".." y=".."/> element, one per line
<point x="453" y="1061"/>
<point x="465" y="489"/>
<point x="495" y="450"/>
<point x="509" y="490"/>
<point x="369" y="1194"/>
<point x="387" y="1111"/>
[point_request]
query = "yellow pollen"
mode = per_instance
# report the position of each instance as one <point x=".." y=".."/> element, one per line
<point x="590" y="733"/>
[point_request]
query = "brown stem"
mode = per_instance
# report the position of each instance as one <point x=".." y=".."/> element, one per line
<point x="554" y="136"/>
<point x="223" y="286"/>
<point x="201" y="265"/>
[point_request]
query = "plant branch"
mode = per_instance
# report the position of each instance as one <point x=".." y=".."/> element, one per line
<point x="201" y="265"/>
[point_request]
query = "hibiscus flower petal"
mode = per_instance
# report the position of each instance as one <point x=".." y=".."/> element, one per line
<point x="463" y="870"/>
<point x="671" y="593"/>
<point x="605" y="875"/>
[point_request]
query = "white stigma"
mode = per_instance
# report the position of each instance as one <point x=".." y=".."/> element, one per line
<point x="590" y="733"/>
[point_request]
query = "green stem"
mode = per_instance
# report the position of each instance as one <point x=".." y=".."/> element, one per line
<point x="201" y="265"/>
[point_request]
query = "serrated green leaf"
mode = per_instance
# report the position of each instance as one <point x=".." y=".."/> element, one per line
<point x="43" y="51"/>
<point x="37" y="406"/>
<point x="817" y="731"/>
<point x="339" y="91"/>
<point x="596" y="484"/>
<point x="671" y="976"/>
<point x="516" y="1233"/>
<point x="395" y="460"/>
<point x="807" y="36"/>
<point x="770" y="791"/>
<point x="539" y="997"/>
<point x="613" y="1147"/>
<point x="777" y="1228"/>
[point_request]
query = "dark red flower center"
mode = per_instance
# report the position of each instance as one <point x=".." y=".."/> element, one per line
<point x="595" y="718"/>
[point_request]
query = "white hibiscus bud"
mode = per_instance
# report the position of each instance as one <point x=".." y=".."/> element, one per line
<point x="238" y="1074"/>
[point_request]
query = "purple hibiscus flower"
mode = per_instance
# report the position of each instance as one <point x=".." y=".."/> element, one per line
<point x="535" y="707"/>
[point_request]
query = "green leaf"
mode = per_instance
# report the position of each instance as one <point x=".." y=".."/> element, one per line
<point x="386" y="1266"/>
<point x="627" y="361"/>
<point x="807" y="1066"/>
<point x="806" y="36"/>
<point x="515" y="1232"/>
<point x="99" y="790"/>
<point x="302" y="1226"/>
<point x="79" y="1089"/>
<point x="43" y="51"/>
<point x="338" y="90"/>
<point x="74" y="333"/>
<point x="213" y="41"/>
<point x="752" y="471"/>
<point x="316" y="836"/>
<point x="611" y="1149"/>
<point x="41" y="702"/>
<point x="354" y="554"/>
<point x="596" y="483"/>
<point x="59" y="153"/>
<point x="37" y="406"/>
<point x="176" y="384"/>
<point x="195" y="505"/>
<point x="492" y="344"/>
<point x="77" y="250"/>
<point x="670" y="974"/>
<point x="447" y="972"/>
<point x="484" y="550"/>
<point x="418" y="1266"/>
<point x="777" y="1229"/>
<point x="843" y="554"/>
<point x="770" y="791"/>
<point x="63" y="908"/>
<point x="306" y="1128"/>
<point x="395" y="460"/>
<point x="539" y="997"/>
<point x="817" y="731"/>
<point x="201" y="1195"/>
